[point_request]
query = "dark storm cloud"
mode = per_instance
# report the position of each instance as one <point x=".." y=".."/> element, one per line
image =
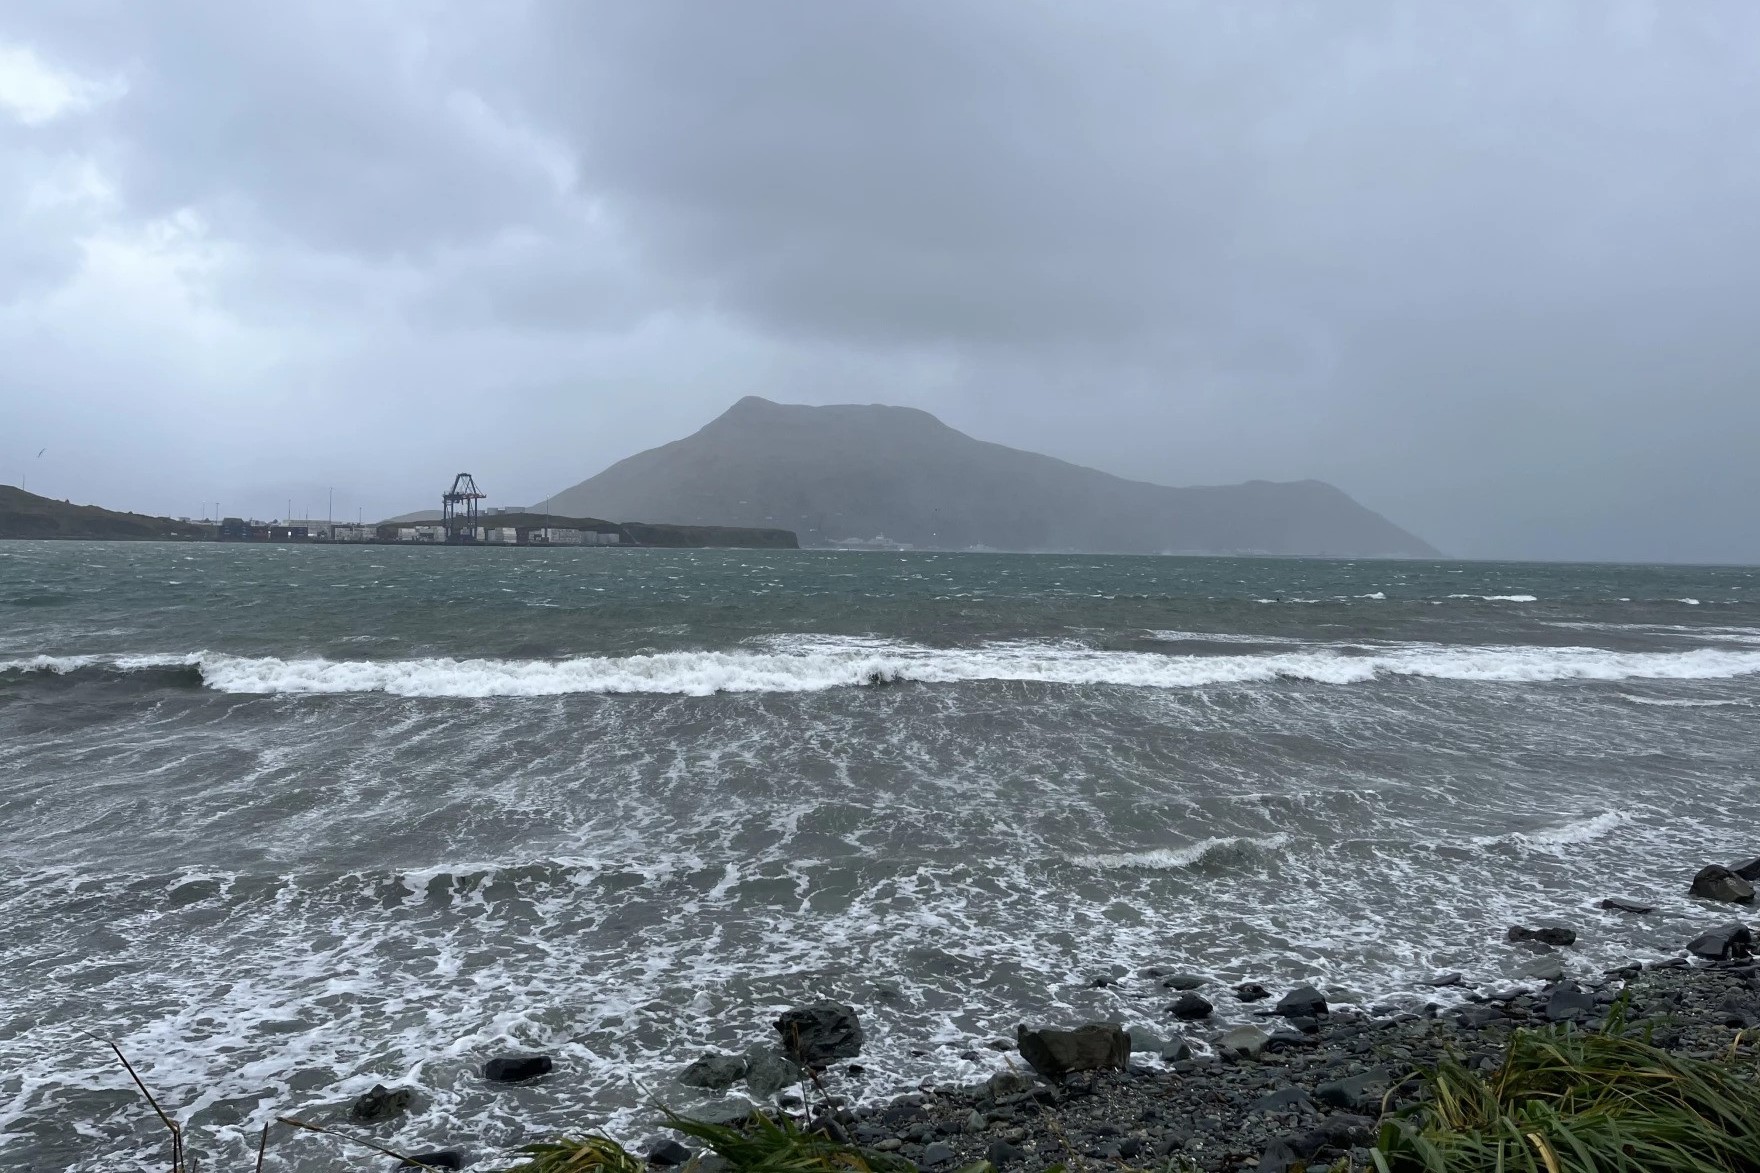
<point x="1487" y="266"/>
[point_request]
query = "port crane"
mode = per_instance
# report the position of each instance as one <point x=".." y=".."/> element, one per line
<point x="458" y="509"/>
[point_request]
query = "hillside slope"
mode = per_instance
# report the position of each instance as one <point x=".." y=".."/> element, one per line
<point x="26" y="515"/>
<point x="863" y="471"/>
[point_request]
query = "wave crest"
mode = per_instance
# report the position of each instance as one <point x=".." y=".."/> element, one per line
<point x="1213" y="852"/>
<point x="813" y="666"/>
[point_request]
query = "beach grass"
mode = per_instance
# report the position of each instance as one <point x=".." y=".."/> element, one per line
<point x="1567" y="1101"/>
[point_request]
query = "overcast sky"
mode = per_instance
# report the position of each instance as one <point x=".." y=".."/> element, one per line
<point x="1492" y="268"/>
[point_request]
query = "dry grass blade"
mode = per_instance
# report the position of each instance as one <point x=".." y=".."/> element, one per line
<point x="295" y="1122"/>
<point x="179" y="1160"/>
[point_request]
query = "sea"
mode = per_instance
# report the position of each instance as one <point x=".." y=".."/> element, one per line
<point x="281" y="823"/>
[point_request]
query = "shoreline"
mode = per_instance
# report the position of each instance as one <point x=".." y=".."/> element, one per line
<point x="1306" y="1085"/>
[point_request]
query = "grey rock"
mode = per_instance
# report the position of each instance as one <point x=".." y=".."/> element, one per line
<point x="1355" y="1091"/>
<point x="1002" y="1154"/>
<point x="1176" y="1051"/>
<point x="714" y="1071"/>
<point x="380" y="1104"/>
<point x="975" y="1121"/>
<point x="1190" y="1007"/>
<point x="767" y="1072"/>
<point x="819" y="1033"/>
<point x="1289" y="1099"/>
<point x="1243" y="1040"/>
<point x="1715" y="882"/>
<point x="1480" y="1017"/>
<point x="1279" y="1157"/>
<point x="1447" y="979"/>
<point x="936" y="1155"/>
<point x="1748" y="871"/>
<point x="1008" y="1084"/>
<point x="517" y="1068"/>
<point x="1057" y="1053"/>
<point x="1302" y="1002"/>
<point x="667" y="1153"/>
<point x="1617" y="905"/>
<point x="1251" y="992"/>
<point x="1185" y="981"/>
<point x="1733" y="941"/>
<point x="1546" y="969"/>
<point x="1548" y="935"/>
<point x="1343" y="1130"/>
<point x="1568" y="1004"/>
<point x="1146" y="1042"/>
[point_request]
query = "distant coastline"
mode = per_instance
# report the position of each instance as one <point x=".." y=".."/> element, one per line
<point x="26" y="516"/>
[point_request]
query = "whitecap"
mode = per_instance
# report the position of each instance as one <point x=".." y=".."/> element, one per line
<point x="1581" y="830"/>
<point x="1163" y="859"/>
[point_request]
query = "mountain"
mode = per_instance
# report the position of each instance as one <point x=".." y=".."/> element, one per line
<point x="860" y="472"/>
<point x="26" y="515"/>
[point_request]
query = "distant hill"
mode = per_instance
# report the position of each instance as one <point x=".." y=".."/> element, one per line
<point x="856" y="473"/>
<point x="26" y="515"/>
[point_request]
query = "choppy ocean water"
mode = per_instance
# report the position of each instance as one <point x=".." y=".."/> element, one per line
<point x="286" y="822"/>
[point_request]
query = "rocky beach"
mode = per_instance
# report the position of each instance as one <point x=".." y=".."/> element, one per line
<point x="1223" y="1077"/>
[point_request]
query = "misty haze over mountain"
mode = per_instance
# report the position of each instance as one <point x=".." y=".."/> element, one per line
<point x="1487" y="268"/>
<point x="837" y="473"/>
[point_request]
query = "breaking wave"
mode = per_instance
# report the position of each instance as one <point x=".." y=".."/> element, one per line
<point x="1581" y="830"/>
<point x="814" y="666"/>
<point x="1207" y="852"/>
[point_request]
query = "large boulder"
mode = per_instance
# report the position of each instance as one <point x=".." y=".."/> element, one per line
<point x="515" y="1068"/>
<point x="1057" y="1053"/>
<point x="816" y="1034"/>
<point x="714" y="1071"/>
<point x="1302" y="1002"/>
<point x="1548" y="935"/>
<point x="1715" y="882"/>
<point x="1729" y="942"/>
<point x="1748" y="871"/>
<point x="380" y="1104"/>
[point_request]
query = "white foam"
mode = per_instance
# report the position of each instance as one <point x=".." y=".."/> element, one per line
<point x="1500" y="598"/>
<point x="1682" y="702"/>
<point x="1217" y="637"/>
<point x="1163" y="859"/>
<point x="821" y="663"/>
<point x="1581" y="830"/>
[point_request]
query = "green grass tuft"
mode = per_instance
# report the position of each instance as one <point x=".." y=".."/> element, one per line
<point x="1568" y="1102"/>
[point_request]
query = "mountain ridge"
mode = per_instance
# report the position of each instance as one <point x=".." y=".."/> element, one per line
<point x="845" y="473"/>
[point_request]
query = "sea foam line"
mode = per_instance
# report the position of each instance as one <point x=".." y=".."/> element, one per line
<point x="829" y="663"/>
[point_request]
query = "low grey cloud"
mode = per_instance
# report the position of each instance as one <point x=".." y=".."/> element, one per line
<point x="1485" y="266"/>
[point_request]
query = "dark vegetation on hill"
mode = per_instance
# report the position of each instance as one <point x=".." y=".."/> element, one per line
<point x="26" y="515"/>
